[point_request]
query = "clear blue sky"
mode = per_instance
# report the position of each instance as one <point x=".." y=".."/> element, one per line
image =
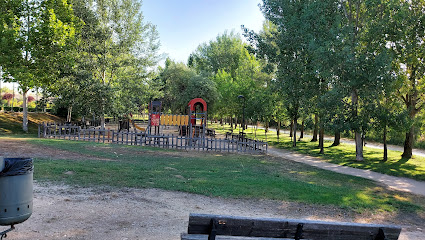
<point x="185" y="24"/>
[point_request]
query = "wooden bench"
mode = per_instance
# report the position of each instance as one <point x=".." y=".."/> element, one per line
<point x="211" y="227"/>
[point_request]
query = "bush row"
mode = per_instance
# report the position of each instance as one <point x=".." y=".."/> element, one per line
<point x="20" y="109"/>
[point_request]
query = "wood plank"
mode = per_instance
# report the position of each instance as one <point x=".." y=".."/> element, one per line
<point x="286" y="228"/>
<point x="185" y="236"/>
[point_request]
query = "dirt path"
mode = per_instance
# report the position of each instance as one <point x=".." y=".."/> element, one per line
<point x="67" y="212"/>
<point x="63" y="212"/>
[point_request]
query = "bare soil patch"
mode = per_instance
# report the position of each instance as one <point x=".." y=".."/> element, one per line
<point x="64" y="212"/>
<point x="69" y="212"/>
<point x="12" y="148"/>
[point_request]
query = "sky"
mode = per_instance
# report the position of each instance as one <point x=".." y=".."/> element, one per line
<point x="185" y="24"/>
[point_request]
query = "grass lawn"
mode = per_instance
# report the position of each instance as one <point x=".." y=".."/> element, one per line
<point x="345" y="154"/>
<point x="11" y="123"/>
<point x="220" y="175"/>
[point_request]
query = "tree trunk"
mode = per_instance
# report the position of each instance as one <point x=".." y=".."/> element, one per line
<point x="385" y="144"/>
<point x="408" y="143"/>
<point x="25" y="111"/>
<point x="13" y="98"/>
<point x="302" y="130"/>
<point x="321" y="139"/>
<point x="266" y="129"/>
<point x="337" y="138"/>
<point x="358" y="135"/>
<point x="231" y="122"/>
<point x="359" y="146"/>
<point x="290" y="128"/>
<point x="294" y="140"/>
<point x="316" y="122"/>
<point x="278" y="130"/>
<point x="102" y="121"/>
<point x="68" y="116"/>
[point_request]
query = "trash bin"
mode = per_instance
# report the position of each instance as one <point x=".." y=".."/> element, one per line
<point x="16" y="190"/>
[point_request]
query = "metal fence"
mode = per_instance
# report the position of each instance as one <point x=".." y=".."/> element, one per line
<point x="74" y="132"/>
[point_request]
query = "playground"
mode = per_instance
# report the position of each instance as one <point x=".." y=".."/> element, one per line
<point x="193" y="125"/>
<point x="188" y="132"/>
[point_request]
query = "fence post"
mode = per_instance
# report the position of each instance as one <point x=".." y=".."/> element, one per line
<point x="44" y="130"/>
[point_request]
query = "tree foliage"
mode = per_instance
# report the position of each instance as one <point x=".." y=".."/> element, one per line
<point x="33" y="34"/>
<point x="181" y="84"/>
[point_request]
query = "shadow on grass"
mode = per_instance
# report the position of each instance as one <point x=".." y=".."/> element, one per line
<point x="345" y="155"/>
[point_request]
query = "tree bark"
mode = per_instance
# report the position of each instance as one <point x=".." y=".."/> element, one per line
<point x="359" y="146"/>
<point x="384" y="139"/>
<point x="321" y="139"/>
<point x="278" y="130"/>
<point x="357" y="133"/>
<point x="337" y="138"/>
<point x="25" y="111"/>
<point x="68" y="116"/>
<point x="408" y="143"/>
<point x="316" y="122"/>
<point x="294" y="140"/>
<point x="302" y="130"/>
<point x="102" y="121"/>
<point x="411" y="101"/>
<point x="291" y="127"/>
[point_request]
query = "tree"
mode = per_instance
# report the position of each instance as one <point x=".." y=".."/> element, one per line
<point x="33" y="33"/>
<point x="364" y="61"/>
<point x="407" y="35"/>
<point x="311" y="37"/>
<point x="183" y="84"/>
<point x="111" y="61"/>
<point x="285" y="42"/>
<point x="125" y="50"/>
<point x="227" y="61"/>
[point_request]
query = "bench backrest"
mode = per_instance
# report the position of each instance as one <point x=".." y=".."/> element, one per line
<point x="288" y="228"/>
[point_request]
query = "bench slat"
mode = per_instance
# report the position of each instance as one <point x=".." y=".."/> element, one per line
<point x="186" y="236"/>
<point x="286" y="228"/>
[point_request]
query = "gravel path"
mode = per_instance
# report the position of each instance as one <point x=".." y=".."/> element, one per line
<point x="64" y="212"/>
<point x="397" y="183"/>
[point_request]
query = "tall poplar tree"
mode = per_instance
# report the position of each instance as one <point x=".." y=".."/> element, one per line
<point x="407" y="40"/>
<point x="32" y="35"/>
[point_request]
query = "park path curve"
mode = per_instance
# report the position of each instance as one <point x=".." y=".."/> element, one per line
<point x="396" y="183"/>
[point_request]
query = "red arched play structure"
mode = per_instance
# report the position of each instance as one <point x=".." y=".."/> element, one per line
<point x="197" y="101"/>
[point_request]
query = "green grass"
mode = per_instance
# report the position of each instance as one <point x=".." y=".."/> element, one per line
<point x="345" y="154"/>
<point x="228" y="175"/>
<point x="11" y="123"/>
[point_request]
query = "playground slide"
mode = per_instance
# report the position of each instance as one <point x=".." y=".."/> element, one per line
<point x="137" y="127"/>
